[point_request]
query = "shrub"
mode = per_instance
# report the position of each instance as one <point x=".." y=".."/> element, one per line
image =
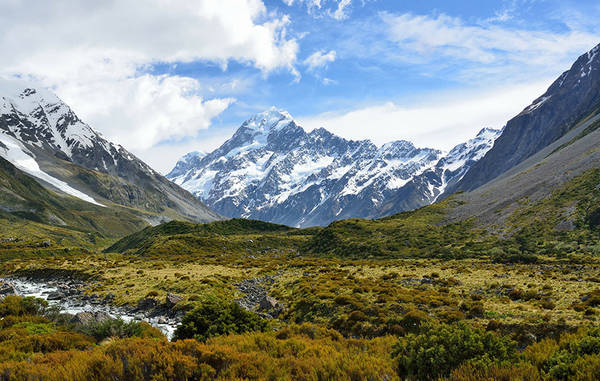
<point x="17" y="306"/>
<point x="547" y="304"/>
<point x="215" y="318"/>
<point x="442" y="348"/>
<point x="119" y="328"/>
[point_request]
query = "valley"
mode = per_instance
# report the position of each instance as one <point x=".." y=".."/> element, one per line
<point x="294" y="253"/>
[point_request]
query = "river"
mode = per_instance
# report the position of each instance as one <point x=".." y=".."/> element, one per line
<point x="74" y="305"/>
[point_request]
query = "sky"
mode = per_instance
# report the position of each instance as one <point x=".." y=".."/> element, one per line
<point x="163" y="78"/>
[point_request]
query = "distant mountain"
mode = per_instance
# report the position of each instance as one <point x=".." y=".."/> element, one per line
<point x="43" y="137"/>
<point x="574" y="95"/>
<point x="273" y="170"/>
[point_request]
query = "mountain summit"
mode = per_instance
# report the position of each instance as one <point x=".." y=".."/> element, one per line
<point x="44" y="138"/>
<point x="272" y="169"/>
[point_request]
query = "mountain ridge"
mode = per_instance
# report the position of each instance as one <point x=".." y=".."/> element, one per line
<point x="43" y="137"/>
<point x="272" y="169"/>
<point x="572" y="96"/>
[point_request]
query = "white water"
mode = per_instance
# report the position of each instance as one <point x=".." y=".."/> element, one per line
<point x="41" y="290"/>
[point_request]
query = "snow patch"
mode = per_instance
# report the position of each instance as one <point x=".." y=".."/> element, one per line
<point x="536" y="105"/>
<point x="15" y="153"/>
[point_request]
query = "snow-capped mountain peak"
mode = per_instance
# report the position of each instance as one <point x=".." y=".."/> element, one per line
<point x="272" y="169"/>
<point x="267" y="121"/>
<point x="43" y="137"/>
<point x="57" y="124"/>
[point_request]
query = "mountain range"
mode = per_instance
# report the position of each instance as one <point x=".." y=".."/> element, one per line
<point x="273" y="170"/>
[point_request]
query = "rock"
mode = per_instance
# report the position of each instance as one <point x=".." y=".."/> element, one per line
<point x="87" y="318"/>
<point x="162" y="320"/>
<point x="565" y="225"/>
<point x="7" y="289"/>
<point x="268" y="303"/>
<point x="585" y="297"/>
<point x="56" y="295"/>
<point x="46" y="243"/>
<point x="146" y="304"/>
<point x="172" y="300"/>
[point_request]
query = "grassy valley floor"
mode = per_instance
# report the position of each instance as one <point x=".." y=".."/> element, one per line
<point x="411" y="296"/>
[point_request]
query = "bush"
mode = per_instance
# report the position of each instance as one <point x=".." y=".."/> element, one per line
<point x="119" y="328"/>
<point x="413" y="320"/>
<point x="442" y="348"/>
<point x="215" y="318"/>
<point x="17" y="306"/>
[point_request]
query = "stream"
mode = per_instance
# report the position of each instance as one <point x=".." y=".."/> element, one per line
<point x="75" y="304"/>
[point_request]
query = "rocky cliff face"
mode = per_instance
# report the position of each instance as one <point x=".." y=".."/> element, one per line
<point x="575" y="94"/>
<point x="273" y="170"/>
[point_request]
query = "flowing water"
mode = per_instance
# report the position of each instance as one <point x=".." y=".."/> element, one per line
<point x="74" y="305"/>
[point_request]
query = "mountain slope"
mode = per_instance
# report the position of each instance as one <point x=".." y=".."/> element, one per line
<point x="273" y="170"/>
<point x="24" y="202"/>
<point x="534" y="180"/>
<point x="575" y="94"/>
<point x="43" y="137"/>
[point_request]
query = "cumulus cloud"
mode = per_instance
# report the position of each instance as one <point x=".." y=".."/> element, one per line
<point x="150" y="108"/>
<point x="98" y="56"/>
<point x="441" y="124"/>
<point x="319" y="59"/>
<point x="216" y="30"/>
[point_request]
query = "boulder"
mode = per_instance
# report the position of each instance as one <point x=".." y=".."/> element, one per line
<point x="56" y="295"/>
<point x="87" y="318"/>
<point x="7" y="289"/>
<point x="146" y="304"/>
<point x="162" y="320"/>
<point x="172" y="300"/>
<point x="109" y="297"/>
<point x="268" y="303"/>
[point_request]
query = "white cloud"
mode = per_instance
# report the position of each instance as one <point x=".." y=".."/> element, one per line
<point x="129" y="32"/>
<point x="319" y="59"/>
<point x="340" y="12"/>
<point x="97" y="56"/>
<point x="450" y="37"/>
<point x="142" y="111"/>
<point x="338" y="9"/>
<point x="441" y="124"/>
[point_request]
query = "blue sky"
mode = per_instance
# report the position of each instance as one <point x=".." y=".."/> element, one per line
<point x="163" y="82"/>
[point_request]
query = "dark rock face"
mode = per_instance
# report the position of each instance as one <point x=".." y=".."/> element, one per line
<point x="273" y="170"/>
<point x="574" y="95"/>
<point x="171" y="300"/>
<point x="62" y="145"/>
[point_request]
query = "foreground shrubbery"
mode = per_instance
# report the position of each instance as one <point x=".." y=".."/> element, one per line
<point x="34" y="347"/>
<point x="214" y="318"/>
<point x="441" y="348"/>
